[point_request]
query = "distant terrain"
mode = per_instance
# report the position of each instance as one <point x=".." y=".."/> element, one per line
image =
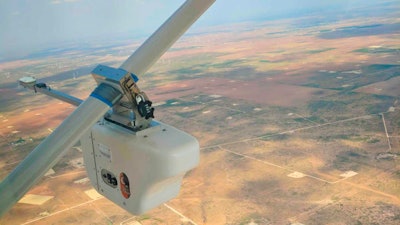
<point x="298" y="121"/>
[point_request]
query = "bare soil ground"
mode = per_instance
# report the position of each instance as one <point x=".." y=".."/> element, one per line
<point x="260" y="91"/>
<point x="277" y="129"/>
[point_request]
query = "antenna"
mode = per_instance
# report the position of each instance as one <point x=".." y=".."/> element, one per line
<point x="136" y="162"/>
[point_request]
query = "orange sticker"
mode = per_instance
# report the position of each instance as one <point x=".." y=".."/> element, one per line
<point x="124" y="185"/>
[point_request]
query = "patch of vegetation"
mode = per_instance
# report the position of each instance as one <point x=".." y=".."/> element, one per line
<point x="353" y="154"/>
<point x="267" y="136"/>
<point x="189" y="114"/>
<point x="147" y="217"/>
<point x="280" y="137"/>
<point x="377" y="50"/>
<point x="319" y="92"/>
<point x="264" y="61"/>
<point x="20" y="141"/>
<point x="335" y="137"/>
<point x="364" y="30"/>
<point x="351" y="137"/>
<point x="380" y="67"/>
<point x="227" y="63"/>
<point x="277" y="32"/>
<point x="233" y="157"/>
<point x="254" y="218"/>
<point x="186" y="71"/>
<point x="325" y="30"/>
<point x="319" y="50"/>
<point x="326" y="105"/>
<point x="316" y="119"/>
<point x="308" y="119"/>
<point x="373" y="141"/>
<point x="378" y="107"/>
<point x="278" y="51"/>
<point x="313" y="85"/>
<point x="348" y="160"/>
<point x="299" y="120"/>
<point x="178" y="103"/>
<point x="175" y="91"/>
<point x="365" y="103"/>
<point x="170" y="102"/>
<point x="203" y="66"/>
<point x="350" y="80"/>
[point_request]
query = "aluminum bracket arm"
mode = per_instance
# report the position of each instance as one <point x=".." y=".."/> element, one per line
<point x="30" y="82"/>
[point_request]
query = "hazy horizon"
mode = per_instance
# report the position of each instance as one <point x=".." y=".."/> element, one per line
<point x="32" y="26"/>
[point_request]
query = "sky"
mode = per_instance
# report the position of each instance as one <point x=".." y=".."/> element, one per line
<point x="27" y="26"/>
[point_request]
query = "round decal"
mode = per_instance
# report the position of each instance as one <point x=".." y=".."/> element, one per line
<point x="124" y="185"/>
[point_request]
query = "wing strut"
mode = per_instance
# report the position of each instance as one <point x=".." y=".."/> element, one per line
<point x="166" y="35"/>
<point x="47" y="154"/>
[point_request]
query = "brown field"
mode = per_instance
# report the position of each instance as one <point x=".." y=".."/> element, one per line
<point x="39" y="117"/>
<point x="261" y="91"/>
